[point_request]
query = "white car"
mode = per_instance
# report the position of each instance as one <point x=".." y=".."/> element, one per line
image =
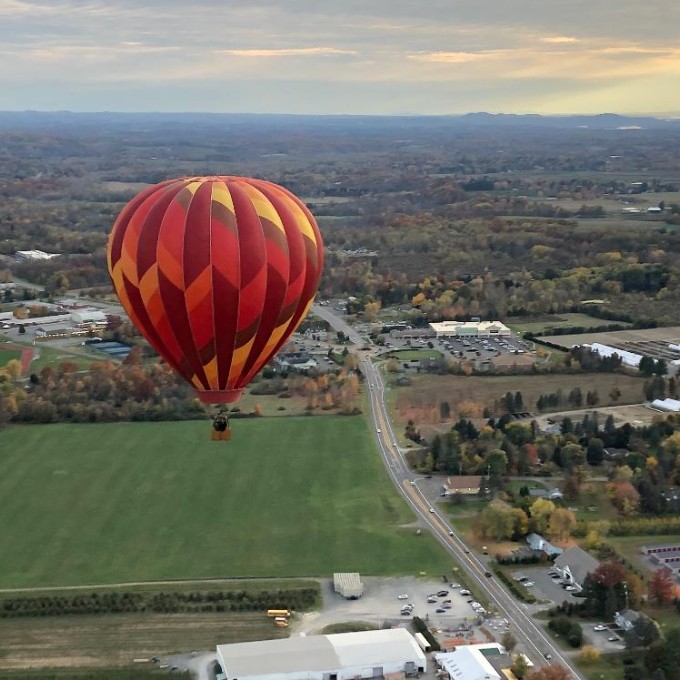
<point x="464" y="592"/>
<point x="432" y="510"/>
<point x="450" y="533"/>
<point x="570" y="588"/>
<point x="599" y="627"/>
<point x="403" y="596"/>
<point x="528" y="584"/>
<point x="379" y="431"/>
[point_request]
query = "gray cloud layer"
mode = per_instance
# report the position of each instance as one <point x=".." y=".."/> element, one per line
<point x="317" y="56"/>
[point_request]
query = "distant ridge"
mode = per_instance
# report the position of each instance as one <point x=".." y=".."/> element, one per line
<point x="482" y="119"/>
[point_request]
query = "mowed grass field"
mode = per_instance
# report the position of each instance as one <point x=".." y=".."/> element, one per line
<point x="123" y="502"/>
<point x="8" y="354"/>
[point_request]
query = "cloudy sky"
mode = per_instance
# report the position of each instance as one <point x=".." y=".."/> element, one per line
<point x="341" y="56"/>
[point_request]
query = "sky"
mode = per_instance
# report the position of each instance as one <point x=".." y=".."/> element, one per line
<point x="391" y="57"/>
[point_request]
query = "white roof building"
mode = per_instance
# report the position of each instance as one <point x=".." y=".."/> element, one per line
<point x="468" y="662"/>
<point x="672" y="405"/>
<point x="627" y="358"/>
<point x="345" y="656"/>
<point x="469" y="328"/>
<point x="88" y="316"/>
<point x="35" y="255"/>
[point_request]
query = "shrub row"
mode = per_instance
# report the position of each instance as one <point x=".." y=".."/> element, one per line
<point x="161" y="602"/>
<point x="519" y="592"/>
<point x="421" y="627"/>
<point x="569" y="629"/>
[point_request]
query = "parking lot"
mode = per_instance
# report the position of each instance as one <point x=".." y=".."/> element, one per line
<point x="546" y="589"/>
<point x="383" y="601"/>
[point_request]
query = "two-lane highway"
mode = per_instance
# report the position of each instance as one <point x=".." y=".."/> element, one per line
<point x="531" y="637"/>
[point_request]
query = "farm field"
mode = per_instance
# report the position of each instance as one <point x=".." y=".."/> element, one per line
<point x="121" y="502"/>
<point x="552" y="321"/>
<point x="476" y="392"/>
<point x="117" y="639"/>
<point x="669" y="334"/>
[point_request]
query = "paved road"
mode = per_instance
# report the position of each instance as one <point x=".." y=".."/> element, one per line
<point x="531" y="637"/>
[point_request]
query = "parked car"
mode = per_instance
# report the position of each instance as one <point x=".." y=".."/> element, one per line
<point x="442" y="593"/>
<point x="403" y="596"/>
<point x="440" y="610"/>
<point x="613" y="638"/>
<point x="600" y="627"/>
<point x="455" y="585"/>
<point x="570" y="588"/>
<point x="431" y="599"/>
<point x="464" y="591"/>
<point x="528" y="584"/>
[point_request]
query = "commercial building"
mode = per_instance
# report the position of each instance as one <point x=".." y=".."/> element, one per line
<point x="471" y="662"/>
<point x="463" y="484"/>
<point x="574" y="564"/>
<point x="345" y="656"/>
<point x="475" y="329"/>
<point x="348" y="584"/>
<point x="88" y="316"/>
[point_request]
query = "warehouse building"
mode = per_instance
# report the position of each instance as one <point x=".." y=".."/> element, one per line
<point x="631" y="359"/>
<point x="345" y="656"/>
<point x="88" y="316"/>
<point x="348" y="584"/>
<point x="472" y="662"/>
<point x="467" y="329"/>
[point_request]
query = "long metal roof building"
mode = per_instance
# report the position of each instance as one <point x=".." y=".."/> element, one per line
<point x="344" y="656"/>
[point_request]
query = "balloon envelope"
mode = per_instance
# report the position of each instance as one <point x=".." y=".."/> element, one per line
<point x="216" y="273"/>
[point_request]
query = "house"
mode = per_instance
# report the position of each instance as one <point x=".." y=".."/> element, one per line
<point x="468" y="485"/>
<point x="626" y="619"/>
<point x="537" y="542"/>
<point x="574" y="564"/>
<point x="552" y="495"/>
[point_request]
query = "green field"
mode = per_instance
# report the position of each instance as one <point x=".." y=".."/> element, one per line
<point x="89" y="504"/>
<point x="9" y="354"/>
<point x="550" y="321"/>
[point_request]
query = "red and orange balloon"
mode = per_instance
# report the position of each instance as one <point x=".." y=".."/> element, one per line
<point x="216" y="273"/>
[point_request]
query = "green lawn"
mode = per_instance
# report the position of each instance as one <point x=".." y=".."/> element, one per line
<point x="629" y="546"/>
<point x="9" y="354"/>
<point x="549" y="321"/>
<point x="88" y="504"/>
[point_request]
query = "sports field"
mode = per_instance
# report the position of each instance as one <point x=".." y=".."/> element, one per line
<point x="105" y="503"/>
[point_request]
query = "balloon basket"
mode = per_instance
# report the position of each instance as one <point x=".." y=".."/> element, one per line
<point x="223" y="436"/>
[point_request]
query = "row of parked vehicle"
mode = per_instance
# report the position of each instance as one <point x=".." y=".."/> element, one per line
<point x="565" y="583"/>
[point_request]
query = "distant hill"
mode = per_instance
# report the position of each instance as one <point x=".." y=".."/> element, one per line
<point x="68" y="119"/>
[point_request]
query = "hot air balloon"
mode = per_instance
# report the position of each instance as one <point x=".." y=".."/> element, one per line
<point x="216" y="273"/>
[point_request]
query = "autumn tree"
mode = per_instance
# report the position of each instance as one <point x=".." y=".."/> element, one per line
<point x="589" y="655"/>
<point x="541" y="510"/>
<point x="550" y="672"/>
<point x="661" y="587"/>
<point x="562" y="522"/>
